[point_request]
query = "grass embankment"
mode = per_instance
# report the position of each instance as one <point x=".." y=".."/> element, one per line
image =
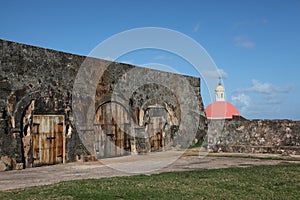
<point x="261" y="182"/>
<point x="257" y="156"/>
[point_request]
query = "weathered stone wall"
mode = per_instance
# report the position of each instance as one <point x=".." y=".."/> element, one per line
<point x="35" y="80"/>
<point x="32" y="74"/>
<point x="256" y="136"/>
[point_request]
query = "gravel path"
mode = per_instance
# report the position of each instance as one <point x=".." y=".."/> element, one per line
<point x="124" y="166"/>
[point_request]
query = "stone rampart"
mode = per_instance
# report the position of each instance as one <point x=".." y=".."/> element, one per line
<point x="254" y="136"/>
<point x="39" y="81"/>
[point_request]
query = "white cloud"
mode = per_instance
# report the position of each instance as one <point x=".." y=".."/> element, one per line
<point x="242" y="101"/>
<point x="265" y="88"/>
<point x="215" y="74"/>
<point x="197" y="27"/>
<point x="244" y="42"/>
<point x="250" y="106"/>
<point x="273" y="99"/>
<point x="260" y="99"/>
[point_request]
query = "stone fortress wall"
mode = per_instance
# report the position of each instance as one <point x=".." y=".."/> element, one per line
<point x="36" y="91"/>
<point x="38" y="126"/>
<point x="254" y="136"/>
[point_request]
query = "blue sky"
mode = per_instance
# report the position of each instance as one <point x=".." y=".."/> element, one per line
<point x="255" y="44"/>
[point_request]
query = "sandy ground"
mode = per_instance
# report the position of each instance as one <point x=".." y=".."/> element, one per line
<point x="131" y="165"/>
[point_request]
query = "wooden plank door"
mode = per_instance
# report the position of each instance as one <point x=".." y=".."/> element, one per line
<point x="112" y="126"/>
<point x="48" y="139"/>
<point x="157" y="121"/>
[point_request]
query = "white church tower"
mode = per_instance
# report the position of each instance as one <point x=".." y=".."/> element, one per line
<point x="220" y="92"/>
<point x="221" y="109"/>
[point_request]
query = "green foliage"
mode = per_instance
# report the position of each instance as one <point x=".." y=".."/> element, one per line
<point x="202" y="143"/>
<point x="260" y="182"/>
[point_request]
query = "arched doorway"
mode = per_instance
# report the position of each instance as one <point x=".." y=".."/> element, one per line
<point x="112" y="131"/>
<point x="156" y="120"/>
<point x="43" y="136"/>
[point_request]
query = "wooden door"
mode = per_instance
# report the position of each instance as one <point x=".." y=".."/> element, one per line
<point x="155" y="130"/>
<point x="112" y="127"/>
<point x="48" y="139"/>
<point x="155" y="133"/>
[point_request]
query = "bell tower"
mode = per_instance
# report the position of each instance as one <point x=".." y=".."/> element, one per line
<point x="220" y="91"/>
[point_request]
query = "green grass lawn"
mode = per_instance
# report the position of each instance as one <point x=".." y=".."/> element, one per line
<point x="261" y="182"/>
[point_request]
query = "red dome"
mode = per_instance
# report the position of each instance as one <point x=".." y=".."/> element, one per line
<point x="221" y="110"/>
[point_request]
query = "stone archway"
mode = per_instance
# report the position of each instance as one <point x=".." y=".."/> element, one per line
<point x="156" y="119"/>
<point x="112" y="126"/>
<point x="41" y="122"/>
<point x="26" y="130"/>
<point x="158" y="123"/>
<point x="43" y="137"/>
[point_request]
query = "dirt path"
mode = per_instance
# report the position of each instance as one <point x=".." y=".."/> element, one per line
<point x="124" y="166"/>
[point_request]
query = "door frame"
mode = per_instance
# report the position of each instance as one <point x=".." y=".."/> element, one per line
<point x="63" y="134"/>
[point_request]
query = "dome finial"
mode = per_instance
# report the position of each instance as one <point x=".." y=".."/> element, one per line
<point x="220" y="80"/>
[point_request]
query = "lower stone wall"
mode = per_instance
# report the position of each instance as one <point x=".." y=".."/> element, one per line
<point x="254" y="136"/>
<point x="42" y="82"/>
<point x="10" y="145"/>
